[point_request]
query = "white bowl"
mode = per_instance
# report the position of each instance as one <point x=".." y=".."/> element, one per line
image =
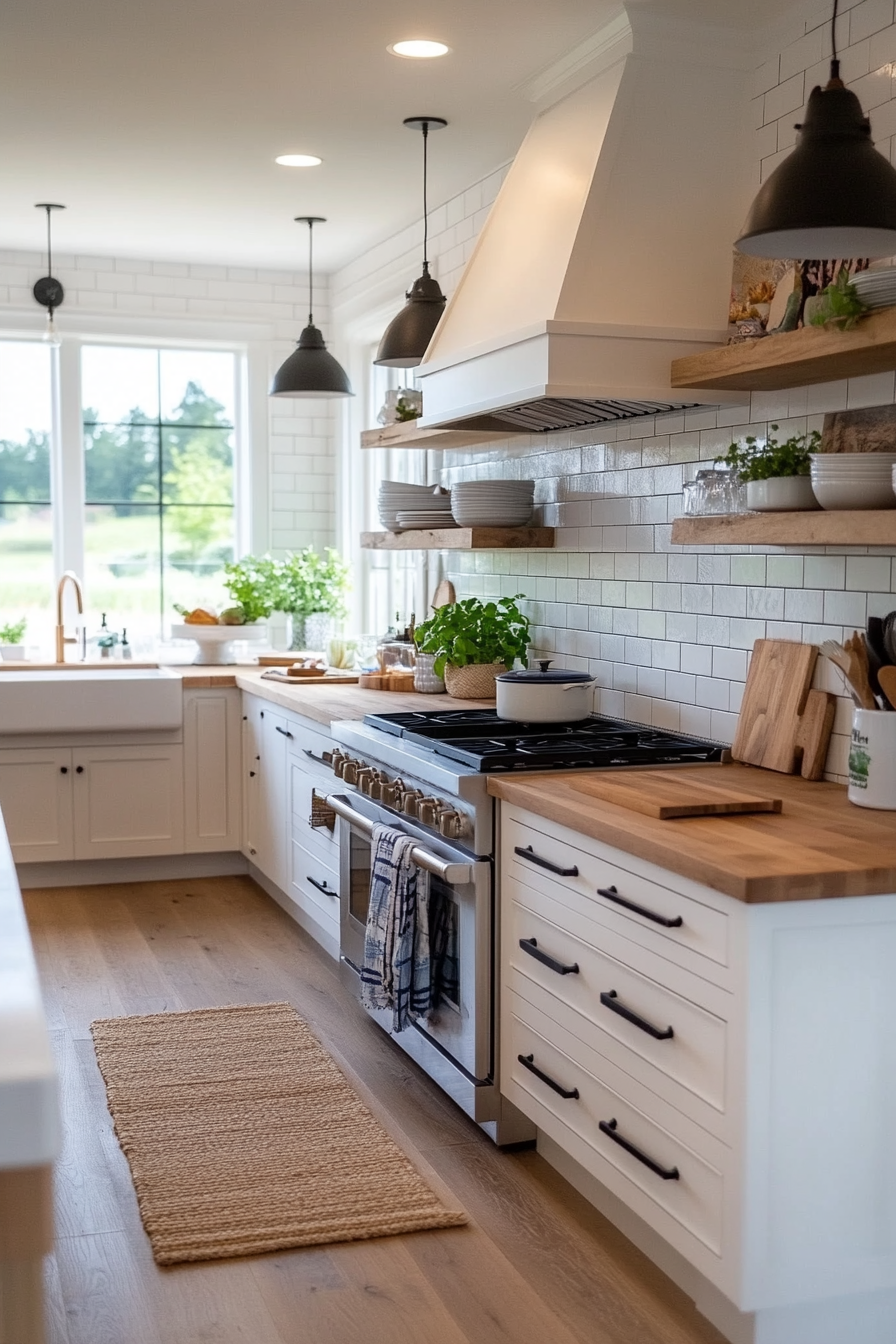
<point x="854" y="494"/>
<point x="781" y="494"/>
<point x="216" y="641"/>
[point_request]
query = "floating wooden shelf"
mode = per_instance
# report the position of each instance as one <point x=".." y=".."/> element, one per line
<point x="407" y="435"/>
<point x="461" y="539"/>
<point x="794" y="358"/>
<point x="822" y="527"/>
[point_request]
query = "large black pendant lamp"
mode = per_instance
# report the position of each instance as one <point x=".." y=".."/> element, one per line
<point x="311" y="371"/>
<point x="835" y="195"/>
<point x="405" y="339"/>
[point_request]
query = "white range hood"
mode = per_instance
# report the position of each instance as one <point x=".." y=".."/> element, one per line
<point x="608" y="251"/>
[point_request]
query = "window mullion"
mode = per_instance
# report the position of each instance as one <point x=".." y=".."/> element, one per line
<point x="67" y="461"/>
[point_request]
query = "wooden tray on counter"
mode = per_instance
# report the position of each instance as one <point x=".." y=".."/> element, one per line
<point x="328" y="679"/>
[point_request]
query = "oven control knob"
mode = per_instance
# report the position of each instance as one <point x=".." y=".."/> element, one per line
<point x="336" y="761"/>
<point x="349" y="772"/>
<point x="429" y="810"/>
<point x="453" y="825"/>
<point x="377" y="784"/>
<point x="409" y="800"/>
<point x="391" y="794"/>
<point x="364" y="778"/>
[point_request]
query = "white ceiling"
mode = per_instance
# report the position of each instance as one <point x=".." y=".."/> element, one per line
<point x="157" y="123"/>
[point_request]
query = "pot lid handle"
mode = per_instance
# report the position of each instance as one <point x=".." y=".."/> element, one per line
<point x="544" y="663"/>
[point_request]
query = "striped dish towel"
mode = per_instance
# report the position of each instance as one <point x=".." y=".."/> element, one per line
<point x="396" y="973"/>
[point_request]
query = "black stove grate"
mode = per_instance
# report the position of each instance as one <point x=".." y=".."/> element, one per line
<point x="480" y="740"/>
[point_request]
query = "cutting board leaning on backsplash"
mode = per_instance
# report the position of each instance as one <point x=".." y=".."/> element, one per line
<point x="783" y="724"/>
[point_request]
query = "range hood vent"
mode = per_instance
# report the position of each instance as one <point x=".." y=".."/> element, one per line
<point x="549" y="413"/>
<point x="608" y="251"/>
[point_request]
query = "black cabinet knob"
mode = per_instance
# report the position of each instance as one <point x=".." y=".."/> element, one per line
<point x="63" y="769"/>
<point x="79" y="769"/>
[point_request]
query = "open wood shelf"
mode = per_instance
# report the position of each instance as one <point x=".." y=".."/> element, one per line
<point x="407" y="435"/>
<point x="822" y="527"/>
<point x="794" y="358"/>
<point x="461" y="539"/>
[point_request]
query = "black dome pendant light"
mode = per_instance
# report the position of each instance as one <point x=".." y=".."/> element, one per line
<point x="47" y="290"/>
<point x="404" y="341"/>
<point x="311" y="371"/>
<point x="835" y="195"/>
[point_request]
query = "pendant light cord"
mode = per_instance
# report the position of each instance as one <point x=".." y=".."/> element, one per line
<point x="311" y="273"/>
<point x="49" y="247"/>
<point x="835" y="63"/>
<point x="425" y="129"/>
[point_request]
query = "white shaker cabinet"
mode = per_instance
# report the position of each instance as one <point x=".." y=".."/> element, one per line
<point x="92" y="802"/>
<point x="722" y="1071"/>
<point x="36" y="803"/>
<point x="212" y="768"/>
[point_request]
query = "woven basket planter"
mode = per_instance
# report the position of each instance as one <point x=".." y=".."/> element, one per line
<point x="476" y="681"/>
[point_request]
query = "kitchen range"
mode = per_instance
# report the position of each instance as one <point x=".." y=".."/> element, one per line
<point x="426" y="774"/>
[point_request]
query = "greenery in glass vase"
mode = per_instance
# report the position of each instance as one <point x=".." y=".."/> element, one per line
<point x="755" y="461"/>
<point x="306" y="582"/>
<point x="472" y="631"/>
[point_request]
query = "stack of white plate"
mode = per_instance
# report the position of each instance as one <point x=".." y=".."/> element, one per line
<point x="877" y="288"/>
<point x="854" y="480"/>
<point x="492" y="503"/>
<point x="403" y="506"/>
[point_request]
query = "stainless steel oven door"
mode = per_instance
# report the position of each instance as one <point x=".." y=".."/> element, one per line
<point x="460" y="899"/>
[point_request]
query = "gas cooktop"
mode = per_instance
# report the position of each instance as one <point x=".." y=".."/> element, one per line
<point x="480" y="740"/>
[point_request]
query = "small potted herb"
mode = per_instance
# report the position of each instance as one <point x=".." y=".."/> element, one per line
<point x="473" y="641"/>
<point x="776" y="473"/>
<point x="11" y="636"/>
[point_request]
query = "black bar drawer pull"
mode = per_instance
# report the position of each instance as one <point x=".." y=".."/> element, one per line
<point x="325" y="759"/>
<point x="609" y="1128"/>
<point x="611" y="1001"/>
<point x="530" y="945"/>
<point x="284" y="731"/>
<point x="322" y="886"/>
<point x="529" y="853"/>
<point x="613" y="895"/>
<point x="527" y="1063"/>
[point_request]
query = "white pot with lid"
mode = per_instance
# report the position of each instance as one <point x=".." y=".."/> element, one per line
<point x="544" y="694"/>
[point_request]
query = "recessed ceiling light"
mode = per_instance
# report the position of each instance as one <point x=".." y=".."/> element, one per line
<point x="298" y="160"/>
<point x="419" y="48"/>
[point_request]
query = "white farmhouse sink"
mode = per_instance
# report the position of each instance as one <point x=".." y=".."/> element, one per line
<point x="106" y="700"/>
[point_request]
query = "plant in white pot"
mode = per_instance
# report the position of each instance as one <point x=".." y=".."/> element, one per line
<point x="776" y="473"/>
<point x="473" y="641"/>
<point x="311" y="589"/>
<point x="11" y="636"/>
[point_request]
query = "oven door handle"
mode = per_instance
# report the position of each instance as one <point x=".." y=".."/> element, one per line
<point x="455" y="874"/>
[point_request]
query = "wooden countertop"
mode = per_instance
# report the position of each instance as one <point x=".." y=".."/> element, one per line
<point x="820" y="845"/>
<point x="326" y="704"/>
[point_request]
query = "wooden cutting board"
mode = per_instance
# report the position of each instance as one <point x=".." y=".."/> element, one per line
<point x="665" y="795"/>
<point x="782" y="724"/>
<point x="284" y="659"/>
<point x="341" y="679"/>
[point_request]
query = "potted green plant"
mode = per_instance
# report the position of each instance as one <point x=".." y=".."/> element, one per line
<point x="776" y="473"/>
<point x="473" y="641"/>
<point x="311" y="589"/>
<point x="11" y="636"/>
<point x="250" y="583"/>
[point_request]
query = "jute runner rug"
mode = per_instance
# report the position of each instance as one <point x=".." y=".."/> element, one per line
<point x="244" y="1136"/>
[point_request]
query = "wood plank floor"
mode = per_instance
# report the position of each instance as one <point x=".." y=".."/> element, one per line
<point x="536" y="1263"/>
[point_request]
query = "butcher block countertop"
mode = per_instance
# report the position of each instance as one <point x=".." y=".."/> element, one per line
<point x="326" y="704"/>
<point x="819" y="845"/>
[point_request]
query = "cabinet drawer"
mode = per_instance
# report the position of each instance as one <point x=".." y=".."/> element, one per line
<point x="312" y="745"/>
<point x="313" y="885"/>
<point x="691" y="1202"/>
<point x="303" y="784"/>
<point x="619" y="1010"/>
<point x="680" y="927"/>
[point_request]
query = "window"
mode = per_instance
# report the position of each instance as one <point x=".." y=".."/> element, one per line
<point x="26" y="518"/>
<point x="153" y="464"/>
<point x="158" y="481"/>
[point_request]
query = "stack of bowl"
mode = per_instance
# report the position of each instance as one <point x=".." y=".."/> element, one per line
<point x="854" y="480"/>
<point x="876" y="288"/>
<point x="403" y="506"/>
<point x="492" y="503"/>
